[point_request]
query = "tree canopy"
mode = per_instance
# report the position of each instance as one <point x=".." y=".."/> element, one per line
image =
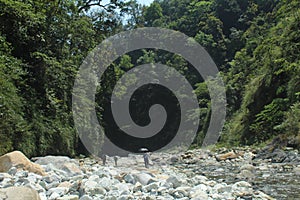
<point x="255" y="44"/>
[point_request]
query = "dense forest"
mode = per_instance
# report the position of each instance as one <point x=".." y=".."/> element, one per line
<point x="255" y="44"/>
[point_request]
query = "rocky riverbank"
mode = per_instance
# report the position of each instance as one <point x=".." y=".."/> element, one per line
<point x="197" y="174"/>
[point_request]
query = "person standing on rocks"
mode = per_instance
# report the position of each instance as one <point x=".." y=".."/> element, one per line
<point x="104" y="156"/>
<point x="116" y="160"/>
<point x="146" y="157"/>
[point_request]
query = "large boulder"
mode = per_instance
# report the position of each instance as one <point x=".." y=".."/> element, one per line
<point x="57" y="161"/>
<point x="19" y="193"/>
<point x="229" y="155"/>
<point x="18" y="160"/>
<point x="61" y="164"/>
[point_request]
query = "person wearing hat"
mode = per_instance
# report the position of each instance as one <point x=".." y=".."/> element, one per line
<point x="146" y="156"/>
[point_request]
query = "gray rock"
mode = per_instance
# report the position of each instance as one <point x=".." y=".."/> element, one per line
<point x="12" y="171"/>
<point x="261" y="195"/>
<point x="52" y="185"/>
<point x="249" y="156"/>
<point x="90" y="184"/>
<point x="21" y="174"/>
<point x="19" y="193"/>
<point x="201" y="187"/>
<point x="86" y="197"/>
<point x="58" y="190"/>
<point x="21" y="181"/>
<point x="165" y="184"/>
<point x="54" y="161"/>
<point x="137" y="187"/>
<point x="278" y="156"/>
<point x="221" y="188"/>
<point x="263" y="167"/>
<point x="113" y="193"/>
<point x="102" y="173"/>
<point x="247" y="167"/>
<point x="174" y="180"/>
<point x="94" y="178"/>
<point x="36" y="187"/>
<point x="8" y="182"/>
<point x="77" y="177"/>
<point x="198" y="194"/>
<point x="70" y="197"/>
<point x="211" y="183"/>
<point x="143" y="178"/>
<point x="51" y="178"/>
<point x="43" y="196"/>
<point x="182" y="192"/>
<point x="49" y="167"/>
<point x="198" y="179"/>
<point x="174" y="159"/>
<point x="122" y="188"/>
<point x="218" y="196"/>
<point x="246" y="174"/>
<point x="151" y="186"/>
<point x="106" y="183"/>
<point x="297" y="170"/>
<point x="162" y="190"/>
<point x="54" y="196"/>
<point x="220" y="170"/>
<point x="150" y="198"/>
<point x="71" y="169"/>
<point x="98" y="190"/>
<point x="242" y="188"/>
<point x="128" y="178"/>
<point x="32" y="178"/>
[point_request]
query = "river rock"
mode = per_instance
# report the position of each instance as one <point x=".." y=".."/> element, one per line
<point x="151" y="186"/>
<point x="278" y="156"/>
<point x="98" y="190"/>
<point x="19" y="193"/>
<point x="246" y="174"/>
<point x="58" y="190"/>
<point x="225" y="156"/>
<point x="174" y="180"/>
<point x="107" y="183"/>
<point x="248" y="156"/>
<point x="297" y="170"/>
<point x="247" y="167"/>
<point x="128" y="178"/>
<point x="122" y="188"/>
<point x="198" y="195"/>
<point x="56" y="161"/>
<point x="18" y="160"/>
<point x="143" y="178"/>
<point x="12" y="171"/>
<point x="70" y="197"/>
<point x="174" y="159"/>
<point x="86" y="197"/>
<point x="242" y="188"/>
<point x="52" y="178"/>
<point x="72" y="169"/>
<point x="182" y="191"/>
<point x="4" y="175"/>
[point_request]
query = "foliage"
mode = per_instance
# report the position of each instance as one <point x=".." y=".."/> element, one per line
<point x="254" y="43"/>
<point x="42" y="46"/>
